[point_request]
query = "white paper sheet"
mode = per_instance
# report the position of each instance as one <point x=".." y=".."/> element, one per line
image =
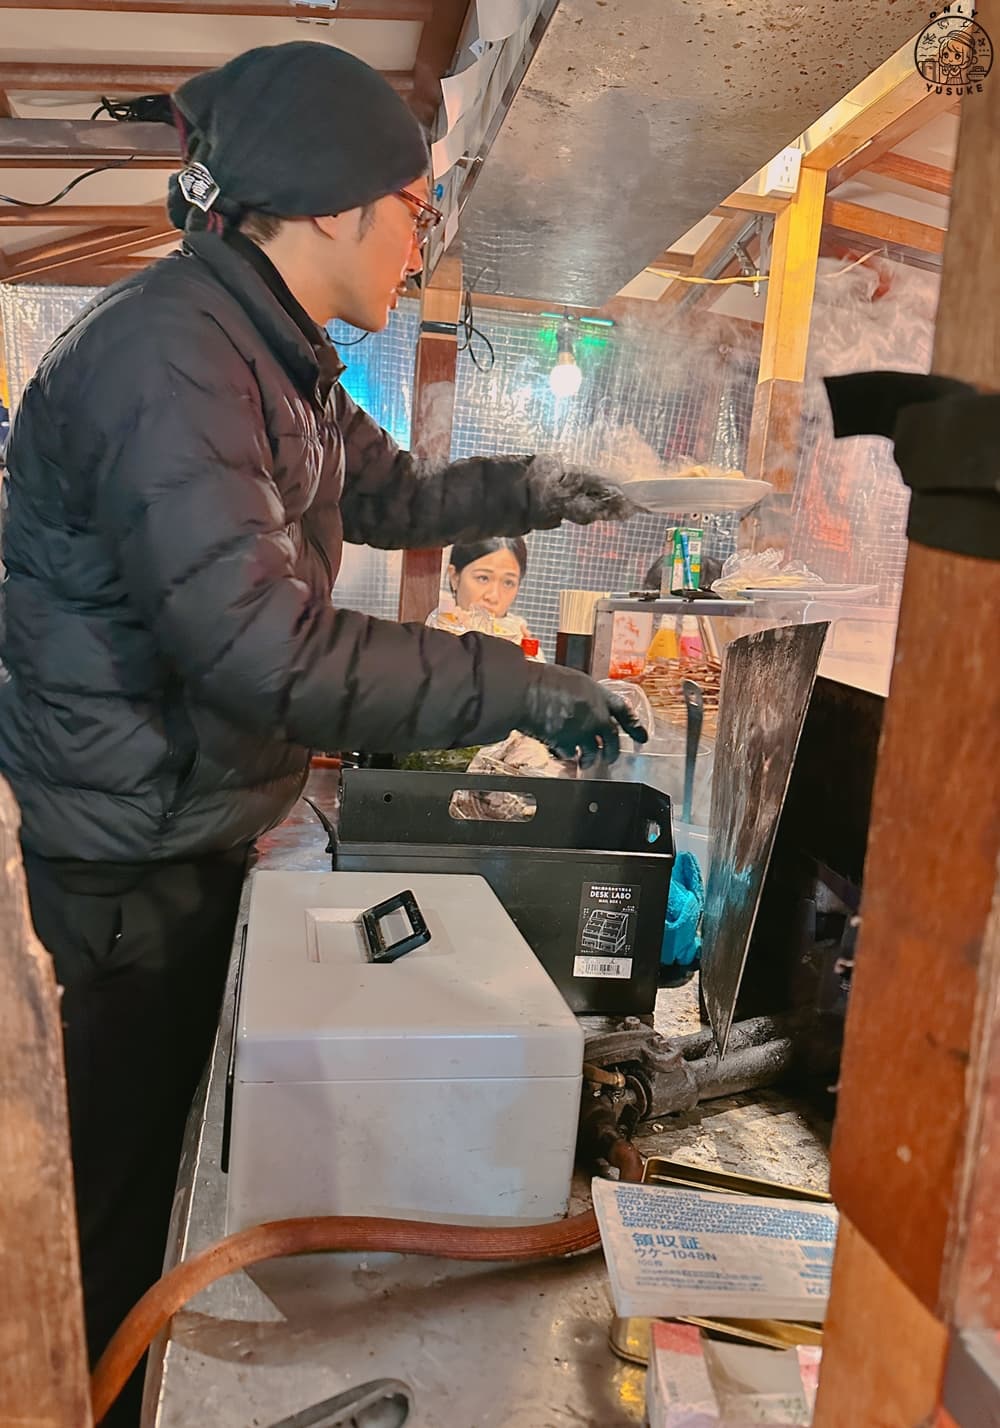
<point x="673" y="1252"/>
<point x="447" y="151"/>
<point x="461" y="91"/>
<point x="500" y="18"/>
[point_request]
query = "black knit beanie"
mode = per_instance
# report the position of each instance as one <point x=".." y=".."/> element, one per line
<point x="293" y="130"/>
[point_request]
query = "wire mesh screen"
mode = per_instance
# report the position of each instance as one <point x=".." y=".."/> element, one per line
<point x="379" y="377"/>
<point x="661" y="392"/>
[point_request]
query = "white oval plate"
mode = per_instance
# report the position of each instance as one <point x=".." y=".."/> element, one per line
<point x="697" y="495"/>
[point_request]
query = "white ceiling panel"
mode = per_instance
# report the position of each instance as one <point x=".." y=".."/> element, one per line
<point x="98" y="36"/>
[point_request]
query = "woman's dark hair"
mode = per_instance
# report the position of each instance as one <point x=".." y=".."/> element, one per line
<point x="463" y="555"/>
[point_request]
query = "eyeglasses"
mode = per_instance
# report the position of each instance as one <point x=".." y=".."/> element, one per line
<point x="427" y="216"/>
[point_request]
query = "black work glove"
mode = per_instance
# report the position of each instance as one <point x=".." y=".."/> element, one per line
<point x="574" y="716"/>
<point x="558" y="493"/>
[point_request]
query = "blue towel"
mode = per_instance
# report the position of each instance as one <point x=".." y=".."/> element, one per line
<point x="681" y="944"/>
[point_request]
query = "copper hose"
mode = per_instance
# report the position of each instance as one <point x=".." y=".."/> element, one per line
<point x="332" y="1232"/>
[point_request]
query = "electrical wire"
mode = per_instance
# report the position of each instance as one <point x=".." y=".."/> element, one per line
<point x="146" y="109"/>
<point x="470" y="331"/>
<point x="709" y="282"/>
<point x="875" y="253"/>
<point x="48" y="202"/>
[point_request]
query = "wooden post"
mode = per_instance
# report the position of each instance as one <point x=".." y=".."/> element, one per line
<point x="772" y="449"/>
<point x="43" y="1356"/>
<point x="433" y="415"/>
<point x="916" y="1154"/>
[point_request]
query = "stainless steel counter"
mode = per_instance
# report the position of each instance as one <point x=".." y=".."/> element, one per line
<point x="481" y="1347"/>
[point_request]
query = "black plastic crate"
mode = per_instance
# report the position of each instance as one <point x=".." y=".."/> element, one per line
<point x="585" y="879"/>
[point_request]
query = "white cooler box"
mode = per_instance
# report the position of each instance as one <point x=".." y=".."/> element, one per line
<point x="444" y="1085"/>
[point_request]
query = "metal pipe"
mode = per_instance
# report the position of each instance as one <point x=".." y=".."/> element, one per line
<point x="747" y="1069"/>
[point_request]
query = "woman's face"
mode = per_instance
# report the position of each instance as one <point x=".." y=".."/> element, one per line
<point x="953" y="55"/>
<point x="491" y="582"/>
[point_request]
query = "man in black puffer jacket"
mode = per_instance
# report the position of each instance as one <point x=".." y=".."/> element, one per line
<point x="183" y="468"/>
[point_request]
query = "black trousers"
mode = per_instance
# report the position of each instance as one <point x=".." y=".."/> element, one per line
<point x="141" y="952"/>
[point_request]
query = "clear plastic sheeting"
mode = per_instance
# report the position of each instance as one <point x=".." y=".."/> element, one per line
<point x="32" y="316"/>
<point x="850" y="508"/>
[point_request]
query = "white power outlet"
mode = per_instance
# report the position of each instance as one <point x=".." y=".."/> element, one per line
<point x="782" y="174"/>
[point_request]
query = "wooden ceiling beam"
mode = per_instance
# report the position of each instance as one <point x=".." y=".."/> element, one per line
<point x="753" y="203"/>
<point x="346" y="9"/>
<point x="83" y="215"/>
<point x="902" y="99"/>
<point x="883" y="227"/>
<point x="715" y="246"/>
<point x="679" y="262"/>
<point x="89" y="274"/>
<point x="99" y="243"/>
<point x="912" y="171"/>
<point x="886" y="135"/>
<point x="81" y="144"/>
<point x="45" y="77"/>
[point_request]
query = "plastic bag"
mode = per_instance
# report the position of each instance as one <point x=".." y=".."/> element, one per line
<point x="637" y="701"/>
<point x="763" y="569"/>
<point x="458" y="621"/>
<point x="518" y="756"/>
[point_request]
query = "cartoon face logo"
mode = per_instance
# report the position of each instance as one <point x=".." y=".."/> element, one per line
<point x="954" y="53"/>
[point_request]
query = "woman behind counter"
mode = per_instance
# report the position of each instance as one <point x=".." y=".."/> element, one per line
<point x="485" y="580"/>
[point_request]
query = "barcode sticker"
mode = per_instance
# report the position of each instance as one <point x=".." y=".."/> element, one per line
<point x="603" y="967"/>
<point x="606" y="932"/>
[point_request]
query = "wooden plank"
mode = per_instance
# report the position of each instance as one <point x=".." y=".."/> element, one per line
<point x="715" y="246"/>
<point x="912" y="171"/>
<point x="435" y="53"/>
<point x="74" y="144"/>
<point x="883" y="227"/>
<point x="773" y="445"/>
<point x="864" y="124"/>
<point x="50" y="257"/>
<point x="86" y="275"/>
<point x="885" y="138"/>
<point x="884" y="1353"/>
<point x="431" y="426"/>
<point x="794" y="252"/>
<point x="679" y="262"/>
<point x="922" y="1025"/>
<point x="754" y="202"/>
<point x="43" y="1382"/>
<point x="346" y="9"/>
<point x="773" y="440"/>
<point x="84" y="215"/>
<point x="44" y="77"/>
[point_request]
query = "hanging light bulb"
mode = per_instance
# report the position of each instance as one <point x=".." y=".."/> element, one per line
<point x="565" y="378"/>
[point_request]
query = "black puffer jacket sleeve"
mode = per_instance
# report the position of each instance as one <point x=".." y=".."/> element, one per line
<point x="177" y="439"/>
<point x="393" y="501"/>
